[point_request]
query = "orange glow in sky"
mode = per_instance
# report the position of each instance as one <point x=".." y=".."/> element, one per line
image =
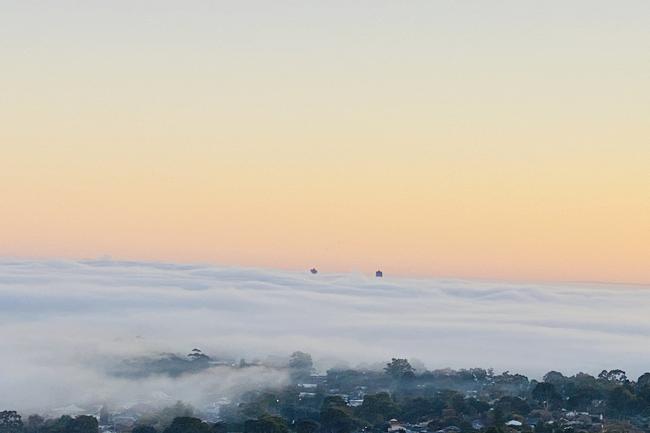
<point x="467" y="139"/>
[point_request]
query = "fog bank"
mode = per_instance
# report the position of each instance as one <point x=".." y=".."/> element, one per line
<point x="65" y="324"/>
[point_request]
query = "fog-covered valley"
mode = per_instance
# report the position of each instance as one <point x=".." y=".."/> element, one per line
<point x="87" y="332"/>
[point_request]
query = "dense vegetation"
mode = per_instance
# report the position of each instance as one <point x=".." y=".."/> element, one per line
<point x="354" y="400"/>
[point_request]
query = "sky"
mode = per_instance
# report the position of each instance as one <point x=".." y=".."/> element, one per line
<point x="470" y="139"/>
<point x="65" y="325"/>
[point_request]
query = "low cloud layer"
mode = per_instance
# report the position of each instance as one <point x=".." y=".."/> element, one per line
<point x="64" y="324"/>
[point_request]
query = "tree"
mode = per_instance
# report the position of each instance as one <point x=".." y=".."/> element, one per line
<point x="457" y="403"/>
<point x="643" y="388"/>
<point x="262" y="404"/>
<point x="622" y="427"/>
<point x="333" y="401"/>
<point x="580" y="397"/>
<point x="399" y="368"/>
<point x="197" y="355"/>
<point x="266" y="424"/>
<point x="643" y="380"/>
<point x="64" y="424"/>
<point x="10" y="422"/>
<point x="144" y="429"/>
<point x="621" y="400"/>
<point x="557" y="379"/>
<point x="545" y="392"/>
<point x="219" y="427"/>
<point x="517" y="383"/>
<point x="422" y="408"/>
<point x="34" y="423"/>
<point x="377" y="408"/>
<point x="301" y="366"/>
<point x="83" y="424"/>
<point x="337" y="420"/>
<point x="498" y="418"/>
<point x="513" y="406"/>
<point x="188" y="424"/>
<point x="307" y="426"/>
<point x="554" y="377"/>
<point x="57" y="425"/>
<point x="273" y="424"/>
<point x="301" y="361"/>
<point x="336" y="416"/>
<point x="616" y="376"/>
<point x="478" y="406"/>
<point x="163" y="418"/>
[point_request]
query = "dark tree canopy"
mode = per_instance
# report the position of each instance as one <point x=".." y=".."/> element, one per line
<point x="336" y="416"/>
<point x="301" y="361"/>
<point x="621" y="401"/>
<point x="34" y="423"/>
<point x="545" y="392"/>
<point x="219" y="427"/>
<point x="377" y="408"/>
<point x="613" y="376"/>
<point x="144" y="429"/>
<point x="337" y="420"/>
<point x="398" y="368"/>
<point x="306" y="426"/>
<point x="266" y="424"/>
<point x="365" y="399"/>
<point x="554" y="377"/>
<point x="10" y="422"/>
<point x="188" y="424"/>
<point x="83" y="424"/>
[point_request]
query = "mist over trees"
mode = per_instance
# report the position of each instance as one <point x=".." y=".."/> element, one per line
<point x="467" y="400"/>
<point x="398" y="398"/>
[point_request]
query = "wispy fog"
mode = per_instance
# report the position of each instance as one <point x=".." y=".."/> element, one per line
<point x="65" y="325"/>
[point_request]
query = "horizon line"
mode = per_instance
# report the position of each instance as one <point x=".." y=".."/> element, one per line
<point x="110" y="258"/>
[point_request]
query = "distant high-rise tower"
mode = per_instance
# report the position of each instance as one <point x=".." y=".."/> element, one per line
<point x="379" y="274"/>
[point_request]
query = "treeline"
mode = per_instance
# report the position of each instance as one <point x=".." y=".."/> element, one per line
<point x="11" y="422"/>
<point x="469" y="400"/>
<point x="357" y="400"/>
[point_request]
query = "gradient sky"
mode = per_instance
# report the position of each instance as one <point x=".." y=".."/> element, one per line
<point x="505" y="139"/>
